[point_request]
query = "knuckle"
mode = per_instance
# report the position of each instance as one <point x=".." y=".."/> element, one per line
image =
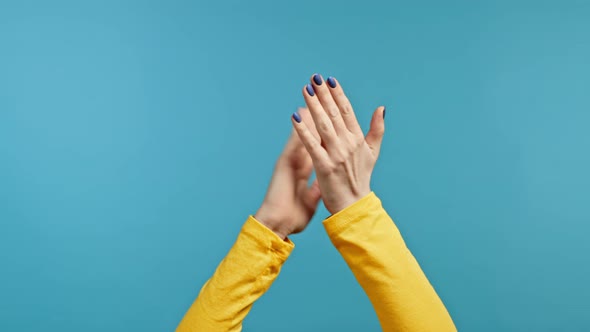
<point x="352" y="149"/>
<point x="347" y="109"/>
<point x="333" y="112"/>
<point x="377" y="132"/>
<point x="339" y="157"/>
<point x="325" y="167"/>
<point x="323" y="126"/>
<point x="314" y="144"/>
<point x="338" y="162"/>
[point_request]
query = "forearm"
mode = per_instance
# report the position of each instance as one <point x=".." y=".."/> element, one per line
<point x="373" y="248"/>
<point x="248" y="270"/>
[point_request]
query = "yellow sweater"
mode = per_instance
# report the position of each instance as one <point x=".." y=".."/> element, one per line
<point x="371" y="245"/>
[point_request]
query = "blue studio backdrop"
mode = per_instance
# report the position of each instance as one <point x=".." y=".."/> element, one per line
<point x="137" y="136"/>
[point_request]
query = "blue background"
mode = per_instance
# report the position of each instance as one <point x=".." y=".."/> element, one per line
<point x="136" y="137"/>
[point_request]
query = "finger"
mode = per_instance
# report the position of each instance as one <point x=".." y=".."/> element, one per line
<point x="344" y="106"/>
<point x="320" y="118"/>
<point x="375" y="134"/>
<point x="328" y="104"/>
<point x="308" y="120"/>
<point x="294" y="143"/>
<point x="312" y="144"/>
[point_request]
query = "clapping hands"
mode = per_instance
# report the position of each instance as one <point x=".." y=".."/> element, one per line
<point x="327" y="137"/>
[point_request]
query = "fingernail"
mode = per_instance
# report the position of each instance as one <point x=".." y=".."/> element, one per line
<point x="317" y="79"/>
<point x="384" y="112"/>
<point x="331" y="82"/>
<point x="309" y="89"/>
<point x="297" y="117"/>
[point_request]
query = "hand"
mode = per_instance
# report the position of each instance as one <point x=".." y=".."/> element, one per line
<point x="343" y="158"/>
<point x="290" y="203"/>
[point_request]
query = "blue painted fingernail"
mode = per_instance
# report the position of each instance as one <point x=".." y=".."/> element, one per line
<point x="384" y="112"/>
<point x="331" y="82"/>
<point x="297" y="117"/>
<point x="309" y="89"/>
<point x="317" y="79"/>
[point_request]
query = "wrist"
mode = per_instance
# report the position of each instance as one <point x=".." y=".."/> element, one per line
<point x="342" y="204"/>
<point x="271" y="222"/>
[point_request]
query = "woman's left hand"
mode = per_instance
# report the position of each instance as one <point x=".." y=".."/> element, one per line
<point x="290" y="202"/>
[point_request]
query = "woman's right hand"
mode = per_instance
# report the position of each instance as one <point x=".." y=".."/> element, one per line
<point x="343" y="157"/>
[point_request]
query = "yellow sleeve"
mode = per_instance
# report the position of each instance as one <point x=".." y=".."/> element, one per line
<point x="373" y="248"/>
<point x="248" y="270"/>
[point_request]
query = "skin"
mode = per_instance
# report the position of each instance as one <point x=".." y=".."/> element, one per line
<point x="290" y="203"/>
<point x="343" y="157"/>
<point x="329" y="140"/>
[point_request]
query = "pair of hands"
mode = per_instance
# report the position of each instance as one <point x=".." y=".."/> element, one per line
<point x="326" y="137"/>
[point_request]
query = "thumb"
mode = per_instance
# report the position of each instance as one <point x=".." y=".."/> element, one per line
<point x="375" y="135"/>
<point x="313" y="194"/>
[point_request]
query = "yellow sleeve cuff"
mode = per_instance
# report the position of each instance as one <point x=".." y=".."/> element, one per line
<point x="263" y="238"/>
<point x="359" y="210"/>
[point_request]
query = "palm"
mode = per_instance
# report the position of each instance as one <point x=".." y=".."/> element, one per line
<point x="288" y="194"/>
<point x="289" y="199"/>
